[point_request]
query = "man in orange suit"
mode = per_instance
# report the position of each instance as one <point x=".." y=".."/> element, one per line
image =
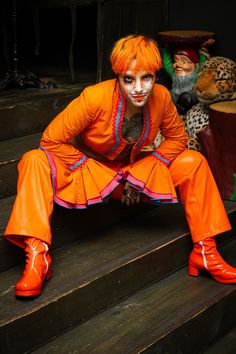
<point x="95" y="150"/>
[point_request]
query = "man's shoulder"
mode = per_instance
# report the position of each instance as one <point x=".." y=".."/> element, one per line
<point x="161" y="90"/>
<point x="101" y="87"/>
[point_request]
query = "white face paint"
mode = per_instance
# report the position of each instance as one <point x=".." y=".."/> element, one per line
<point x="137" y="86"/>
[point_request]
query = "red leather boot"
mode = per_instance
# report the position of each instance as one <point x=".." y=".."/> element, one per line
<point x="205" y="256"/>
<point x="37" y="269"/>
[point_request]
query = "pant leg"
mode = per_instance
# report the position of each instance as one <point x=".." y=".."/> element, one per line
<point x="199" y="194"/>
<point x="32" y="210"/>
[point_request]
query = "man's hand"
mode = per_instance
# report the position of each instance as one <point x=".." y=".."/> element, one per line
<point x="130" y="197"/>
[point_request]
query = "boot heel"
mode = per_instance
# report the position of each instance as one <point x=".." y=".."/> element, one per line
<point x="49" y="274"/>
<point x="193" y="271"/>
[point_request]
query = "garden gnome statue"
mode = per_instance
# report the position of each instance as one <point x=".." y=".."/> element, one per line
<point x="183" y="53"/>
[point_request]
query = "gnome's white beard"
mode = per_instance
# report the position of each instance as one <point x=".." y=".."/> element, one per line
<point x="183" y="83"/>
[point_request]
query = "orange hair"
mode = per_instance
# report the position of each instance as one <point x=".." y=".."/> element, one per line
<point x="139" y="47"/>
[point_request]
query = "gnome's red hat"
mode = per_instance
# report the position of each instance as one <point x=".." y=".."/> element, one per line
<point x="188" y="52"/>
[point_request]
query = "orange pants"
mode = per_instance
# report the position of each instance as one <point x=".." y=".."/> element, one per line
<point x="33" y="207"/>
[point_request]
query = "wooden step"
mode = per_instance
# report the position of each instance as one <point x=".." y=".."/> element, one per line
<point x="24" y="115"/>
<point x="71" y="225"/>
<point x="67" y="225"/>
<point x="25" y="112"/>
<point x="97" y="272"/>
<point x="10" y="153"/>
<point x="178" y="314"/>
<point x="225" y="344"/>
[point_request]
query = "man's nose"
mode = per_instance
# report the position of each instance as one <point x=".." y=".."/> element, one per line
<point x="138" y="86"/>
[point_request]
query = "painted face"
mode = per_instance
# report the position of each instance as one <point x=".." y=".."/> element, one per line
<point x="137" y="86"/>
<point x="183" y="65"/>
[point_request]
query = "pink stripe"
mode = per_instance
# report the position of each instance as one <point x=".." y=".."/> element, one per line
<point x="53" y="167"/>
<point x="160" y="196"/>
<point x="135" y="181"/>
<point x="105" y="192"/>
<point x="111" y="186"/>
<point x="68" y="205"/>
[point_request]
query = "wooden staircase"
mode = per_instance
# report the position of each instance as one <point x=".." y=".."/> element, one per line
<point x="120" y="282"/>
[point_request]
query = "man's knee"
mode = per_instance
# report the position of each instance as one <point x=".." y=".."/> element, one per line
<point x="33" y="155"/>
<point x="192" y="157"/>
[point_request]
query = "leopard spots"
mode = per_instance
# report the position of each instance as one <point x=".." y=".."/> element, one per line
<point x="216" y="82"/>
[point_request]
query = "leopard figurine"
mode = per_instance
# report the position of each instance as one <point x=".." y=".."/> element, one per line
<point x="216" y="82"/>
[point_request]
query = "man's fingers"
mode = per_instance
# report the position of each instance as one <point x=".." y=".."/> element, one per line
<point x="138" y="197"/>
<point x="130" y="197"/>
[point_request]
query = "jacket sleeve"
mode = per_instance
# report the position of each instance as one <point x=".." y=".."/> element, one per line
<point x="173" y="130"/>
<point x="70" y="122"/>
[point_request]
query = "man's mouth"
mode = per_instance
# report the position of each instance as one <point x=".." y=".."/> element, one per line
<point x="139" y="98"/>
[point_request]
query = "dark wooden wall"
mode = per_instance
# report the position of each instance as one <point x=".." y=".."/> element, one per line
<point x="119" y="17"/>
<point x="218" y="16"/>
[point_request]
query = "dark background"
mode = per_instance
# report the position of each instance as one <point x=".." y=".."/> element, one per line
<point x="118" y="18"/>
<point x="218" y="16"/>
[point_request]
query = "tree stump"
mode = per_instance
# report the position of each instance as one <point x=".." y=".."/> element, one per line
<point x="194" y="38"/>
<point x="218" y="142"/>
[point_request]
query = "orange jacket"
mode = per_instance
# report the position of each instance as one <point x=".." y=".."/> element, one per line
<point x="97" y="114"/>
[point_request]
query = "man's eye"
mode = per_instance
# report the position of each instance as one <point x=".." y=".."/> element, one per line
<point x="128" y="79"/>
<point x="148" y="77"/>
